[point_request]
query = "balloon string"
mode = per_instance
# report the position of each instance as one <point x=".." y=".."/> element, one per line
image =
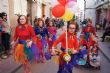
<point x="66" y="40"/>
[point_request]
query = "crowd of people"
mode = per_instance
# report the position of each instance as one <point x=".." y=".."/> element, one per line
<point x="34" y="43"/>
<point x="39" y="43"/>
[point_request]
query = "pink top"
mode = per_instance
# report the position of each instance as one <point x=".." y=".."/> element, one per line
<point x="52" y="30"/>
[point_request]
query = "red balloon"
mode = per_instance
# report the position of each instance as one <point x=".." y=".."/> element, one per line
<point x="58" y="10"/>
<point x="63" y="2"/>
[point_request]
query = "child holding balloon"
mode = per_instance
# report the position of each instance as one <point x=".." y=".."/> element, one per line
<point x="72" y="46"/>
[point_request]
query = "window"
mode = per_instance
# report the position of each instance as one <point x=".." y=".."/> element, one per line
<point x="20" y="7"/>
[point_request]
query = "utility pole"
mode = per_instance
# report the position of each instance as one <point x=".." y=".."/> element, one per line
<point x="84" y="8"/>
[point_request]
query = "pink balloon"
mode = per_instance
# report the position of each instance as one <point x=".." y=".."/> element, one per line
<point x="71" y="0"/>
<point x="72" y="6"/>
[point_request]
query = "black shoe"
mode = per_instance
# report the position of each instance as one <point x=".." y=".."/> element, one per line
<point x="102" y="40"/>
<point x="101" y="37"/>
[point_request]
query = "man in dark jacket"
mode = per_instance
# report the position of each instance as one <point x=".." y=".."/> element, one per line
<point x="106" y="33"/>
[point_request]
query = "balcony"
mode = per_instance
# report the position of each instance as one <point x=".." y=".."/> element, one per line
<point x="101" y="2"/>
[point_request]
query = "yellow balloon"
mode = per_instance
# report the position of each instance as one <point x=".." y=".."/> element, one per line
<point x="67" y="16"/>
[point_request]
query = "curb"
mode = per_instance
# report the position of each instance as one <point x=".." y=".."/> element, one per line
<point x="16" y="69"/>
<point x="107" y="58"/>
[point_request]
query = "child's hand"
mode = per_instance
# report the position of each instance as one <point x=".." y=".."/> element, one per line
<point x="12" y="43"/>
<point x="53" y="51"/>
<point x="29" y="43"/>
<point x="39" y="36"/>
<point x="50" y="39"/>
<point x="75" y="51"/>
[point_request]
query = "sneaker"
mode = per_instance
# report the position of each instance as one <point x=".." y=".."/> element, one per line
<point x="4" y="56"/>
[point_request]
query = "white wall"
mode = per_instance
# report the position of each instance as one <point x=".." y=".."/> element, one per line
<point x="47" y="10"/>
<point x="39" y="10"/>
<point x="90" y="10"/>
<point x="20" y="7"/>
<point x="90" y="13"/>
<point x="4" y="7"/>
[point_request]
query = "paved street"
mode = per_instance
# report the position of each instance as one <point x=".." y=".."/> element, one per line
<point x="51" y="67"/>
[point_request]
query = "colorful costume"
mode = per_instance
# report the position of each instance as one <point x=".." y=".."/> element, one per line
<point x="93" y="54"/>
<point x="42" y="35"/>
<point x="89" y="35"/>
<point x="93" y="48"/>
<point x="52" y="35"/>
<point x="83" y="52"/>
<point x="72" y="45"/>
<point x="88" y="31"/>
<point x="22" y="53"/>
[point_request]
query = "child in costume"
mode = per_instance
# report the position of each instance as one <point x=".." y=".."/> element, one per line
<point x="24" y="51"/>
<point x="88" y="31"/>
<point x="52" y="30"/>
<point x="72" y="47"/>
<point x="93" y="54"/>
<point x="42" y="35"/>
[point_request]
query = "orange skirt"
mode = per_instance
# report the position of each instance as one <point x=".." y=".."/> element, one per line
<point x="19" y="54"/>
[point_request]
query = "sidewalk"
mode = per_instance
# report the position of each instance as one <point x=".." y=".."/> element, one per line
<point x="8" y="65"/>
<point x="104" y="46"/>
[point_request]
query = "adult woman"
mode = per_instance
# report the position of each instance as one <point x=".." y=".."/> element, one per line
<point x="5" y="36"/>
<point x="72" y="45"/>
<point x="25" y="35"/>
<point x="106" y="32"/>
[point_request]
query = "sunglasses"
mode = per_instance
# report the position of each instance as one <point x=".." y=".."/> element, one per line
<point x="4" y="15"/>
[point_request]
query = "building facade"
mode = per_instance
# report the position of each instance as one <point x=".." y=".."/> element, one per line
<point x="90" y="10"/>
<point x="102" y="11"/>
<point x="35" y="8"/>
